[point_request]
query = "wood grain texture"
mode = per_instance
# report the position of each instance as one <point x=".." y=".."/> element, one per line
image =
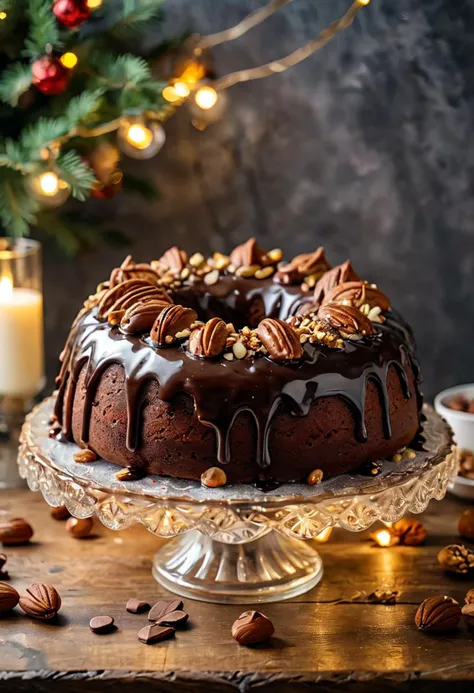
<point x="365" y="148"/>
<point x="351" y="646"/>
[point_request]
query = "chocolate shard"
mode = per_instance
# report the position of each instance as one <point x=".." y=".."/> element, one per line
<point x="136" y="606"/>
<point x="101" y="624"/>
<point x="163" y="607"/>
<point x="155" y="633"/>
<point x="175" y="619"/>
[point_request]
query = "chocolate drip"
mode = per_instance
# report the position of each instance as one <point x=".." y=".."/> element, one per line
<point x="222" y="390"/>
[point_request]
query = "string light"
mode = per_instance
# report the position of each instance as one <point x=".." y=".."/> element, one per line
<point x="50" y="189"/>
<point x="170" y="94"/>
<point x="140" y="140"/>
<point x="206" y="97"/>
<point x="207" y="106"/>
<point x="69" y="60"/>
<point x="139" y="136"/>
<point x="3" y="15"/>
<point x="192" y="73"/>
<point x="48" y="183"/>
<point x="182" y="89"/>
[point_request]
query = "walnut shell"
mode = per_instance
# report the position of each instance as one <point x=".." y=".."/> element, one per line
<point x="172" y="320"/>
<point x="209" y="340"/>
<point x="41" y="601"/>
<point x="438" y="614"/>
<point x="410" y="531"/>
<point x="456" y="559"/>
<point x="280" y="340"/>
<point x="251" y="628"/>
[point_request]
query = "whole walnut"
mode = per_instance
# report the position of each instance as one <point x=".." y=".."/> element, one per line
<point x="410" y="531"/>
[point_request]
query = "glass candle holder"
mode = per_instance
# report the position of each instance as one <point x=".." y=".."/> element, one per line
<point x="21" y="332"/>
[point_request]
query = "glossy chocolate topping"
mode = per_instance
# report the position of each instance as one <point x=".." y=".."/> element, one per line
<point x="222" y="389"/>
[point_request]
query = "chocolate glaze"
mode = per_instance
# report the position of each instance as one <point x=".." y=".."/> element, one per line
<point x="221" y="390"/>
<point x="242" y="301"/>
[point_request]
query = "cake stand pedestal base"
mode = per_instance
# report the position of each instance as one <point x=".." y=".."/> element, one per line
<point x="267" y="569"/>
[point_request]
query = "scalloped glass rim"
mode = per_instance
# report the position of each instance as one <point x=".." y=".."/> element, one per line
<point x="239" y="513"/>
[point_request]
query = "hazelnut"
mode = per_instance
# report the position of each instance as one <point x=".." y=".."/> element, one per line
<point x="79" y="527"/>
<point x="251" y="628"/>
<point x="60" y="513"/>
<point x="15" y="531"/>
<point x="315" y="477"/>
<point x="466" y="524"/>
<point x="214" y="477"/>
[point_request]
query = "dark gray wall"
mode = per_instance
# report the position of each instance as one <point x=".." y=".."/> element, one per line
<point x="365" y="148"/>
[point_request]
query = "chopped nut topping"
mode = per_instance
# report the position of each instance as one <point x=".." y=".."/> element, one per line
<point x="264" y="273"/>
<point x="212" y="277"/>
<point x="247" y="270"/>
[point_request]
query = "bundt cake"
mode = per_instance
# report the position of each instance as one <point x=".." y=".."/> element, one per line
<point x="239" y="369"/>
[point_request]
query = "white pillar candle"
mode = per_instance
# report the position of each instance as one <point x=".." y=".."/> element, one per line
<point x="21" y="340"/>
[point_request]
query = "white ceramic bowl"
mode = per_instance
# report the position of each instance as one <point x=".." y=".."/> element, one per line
<point x="462" y="424"/>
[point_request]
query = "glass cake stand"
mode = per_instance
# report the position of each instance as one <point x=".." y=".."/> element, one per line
<point x="235" y="544"/>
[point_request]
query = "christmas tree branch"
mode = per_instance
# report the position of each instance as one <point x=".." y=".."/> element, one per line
<point x="43" y="28"/>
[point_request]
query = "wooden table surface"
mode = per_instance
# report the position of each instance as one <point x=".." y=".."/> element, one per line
<point x="352" y="646"/>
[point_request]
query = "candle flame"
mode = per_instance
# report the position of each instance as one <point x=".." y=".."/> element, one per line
<point x="6" y="289"/>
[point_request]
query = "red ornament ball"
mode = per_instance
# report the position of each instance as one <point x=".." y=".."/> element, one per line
<point x="108" y="188"/>
<point x="71" y="13"/>
<point x="49" y="75"/>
